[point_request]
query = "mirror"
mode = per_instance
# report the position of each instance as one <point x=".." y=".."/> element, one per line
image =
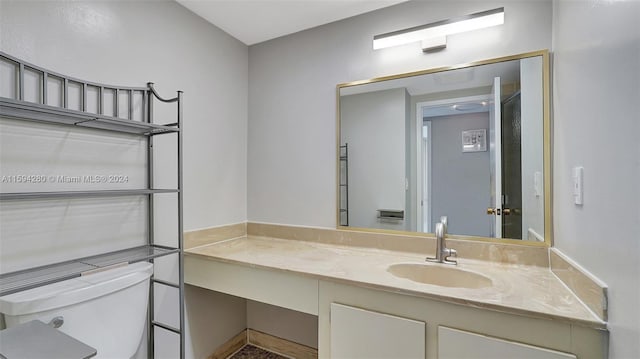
<point x="470" y="142"/>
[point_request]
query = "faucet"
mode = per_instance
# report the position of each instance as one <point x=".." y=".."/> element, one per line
<point x="443" y="253"/>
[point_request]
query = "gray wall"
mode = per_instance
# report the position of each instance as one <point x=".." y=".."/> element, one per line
<point x="291" y="155"/>
<point x="460" y="181"/>
<point x="291" y="160"/>
<point x="131" y="43"/>
<point x="292" y="101"/>
<point x="596" y="87"/>
<point x="295" y="326"/>
<point x="373" y="124"/>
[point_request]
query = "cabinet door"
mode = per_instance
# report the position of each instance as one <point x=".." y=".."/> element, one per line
<point x="458" y="344"/>
<point x="358" y="333"/>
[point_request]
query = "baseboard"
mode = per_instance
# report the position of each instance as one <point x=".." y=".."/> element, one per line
<point x="231" y="346"/>
<point x="265" y="341"/>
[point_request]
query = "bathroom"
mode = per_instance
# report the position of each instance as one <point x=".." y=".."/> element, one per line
<point x="260" y="126"/>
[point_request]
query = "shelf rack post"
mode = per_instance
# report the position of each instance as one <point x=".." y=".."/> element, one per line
<point x="180" y="285"/>
<point x="180" y="230"/>
<point x="151" y="224"/>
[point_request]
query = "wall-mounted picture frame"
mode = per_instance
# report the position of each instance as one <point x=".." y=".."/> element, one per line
<point x="474" y="140"/>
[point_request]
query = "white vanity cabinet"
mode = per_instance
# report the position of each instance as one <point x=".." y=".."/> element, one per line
<point x="362" y="334"/>
<point x="457" y="344"/>
<point x="358" y="322"/>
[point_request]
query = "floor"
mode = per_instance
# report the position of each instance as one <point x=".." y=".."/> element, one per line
<point x="251" y="352"/>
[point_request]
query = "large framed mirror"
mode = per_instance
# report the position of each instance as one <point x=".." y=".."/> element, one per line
<point x="470" y="142"/>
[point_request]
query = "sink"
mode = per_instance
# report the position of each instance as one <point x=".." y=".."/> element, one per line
<point x="439" y="275"/>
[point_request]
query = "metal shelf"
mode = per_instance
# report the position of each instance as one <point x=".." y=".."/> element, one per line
<point x="78" y="194"/>
<point x="343" y="154"/>
<point x="31" y="278"/>
<point x="85" y="104"/>
<point x="20" y="110"/>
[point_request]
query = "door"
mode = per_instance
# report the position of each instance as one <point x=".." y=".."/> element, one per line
<point x="426" y="177"/>
<point x="361" y="334"/>
<point x="423" y="169"/>
<point x="495" y="160"/>
<point x="455" y="344"/>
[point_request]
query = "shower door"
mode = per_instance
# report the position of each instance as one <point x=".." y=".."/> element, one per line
<point x="511" y="168"/>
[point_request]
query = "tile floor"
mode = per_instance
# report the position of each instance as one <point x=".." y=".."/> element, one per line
<point x="251" y="352"/>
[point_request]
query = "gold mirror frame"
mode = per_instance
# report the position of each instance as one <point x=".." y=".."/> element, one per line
<point x="548" y="224"/>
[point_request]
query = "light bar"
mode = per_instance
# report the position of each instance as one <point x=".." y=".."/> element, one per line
<point x="440" y="29"/>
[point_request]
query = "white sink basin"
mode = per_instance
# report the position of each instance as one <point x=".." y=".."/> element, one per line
<point x="439" y="275"/>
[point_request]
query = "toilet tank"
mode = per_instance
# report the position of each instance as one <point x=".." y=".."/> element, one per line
<point x="106" y="310"/>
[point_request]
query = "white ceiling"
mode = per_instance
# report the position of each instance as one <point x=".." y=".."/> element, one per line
<point x="255" y="21"/>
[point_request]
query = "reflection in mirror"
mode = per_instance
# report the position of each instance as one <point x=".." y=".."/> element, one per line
<point x="465" y="142"/>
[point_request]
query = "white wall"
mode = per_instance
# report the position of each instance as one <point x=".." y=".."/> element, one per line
<point x="373" y="124"/>
<point x="35" y="233"/>
<point x="291" y="151"/>
<point x="213" y="319"/>
<point x="292" y="102"/>
<point x="130" y="44"/>
<point x="283" y="323"/>
<point x="596" y="87"/>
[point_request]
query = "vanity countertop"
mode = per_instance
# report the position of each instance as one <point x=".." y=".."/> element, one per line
<point x="518" y="289"/>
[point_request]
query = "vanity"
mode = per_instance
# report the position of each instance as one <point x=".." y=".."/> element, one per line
<point x="492" y="307"/>
<point x="469" y="141"/>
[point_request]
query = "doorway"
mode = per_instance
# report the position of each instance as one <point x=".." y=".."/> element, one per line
<point x="425" y="162"/>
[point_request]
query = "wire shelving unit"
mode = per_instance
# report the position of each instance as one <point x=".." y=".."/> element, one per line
<point x="106" y="118"/>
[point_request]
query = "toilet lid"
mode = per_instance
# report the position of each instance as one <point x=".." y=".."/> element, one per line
<point x="17" y="342"/>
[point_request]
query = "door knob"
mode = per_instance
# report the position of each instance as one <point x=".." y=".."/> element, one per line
<point x="497" y="211"/>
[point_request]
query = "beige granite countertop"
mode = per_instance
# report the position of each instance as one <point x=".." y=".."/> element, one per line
<point x="518" y="289"/>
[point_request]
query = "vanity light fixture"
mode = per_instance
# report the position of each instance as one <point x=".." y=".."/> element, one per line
<point x="434" y="35"/>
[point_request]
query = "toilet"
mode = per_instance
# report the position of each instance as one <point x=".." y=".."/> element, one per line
<point x="106" y="310"/>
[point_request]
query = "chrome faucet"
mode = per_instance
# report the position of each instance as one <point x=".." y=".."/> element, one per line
<point x="443" y="253"/>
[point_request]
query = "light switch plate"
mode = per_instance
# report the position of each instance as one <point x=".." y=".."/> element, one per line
<point x="578" y="190"/>
<point x="537" y="184"/>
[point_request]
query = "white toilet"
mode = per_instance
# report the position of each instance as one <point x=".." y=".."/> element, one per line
<point x="106" y="310"/>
